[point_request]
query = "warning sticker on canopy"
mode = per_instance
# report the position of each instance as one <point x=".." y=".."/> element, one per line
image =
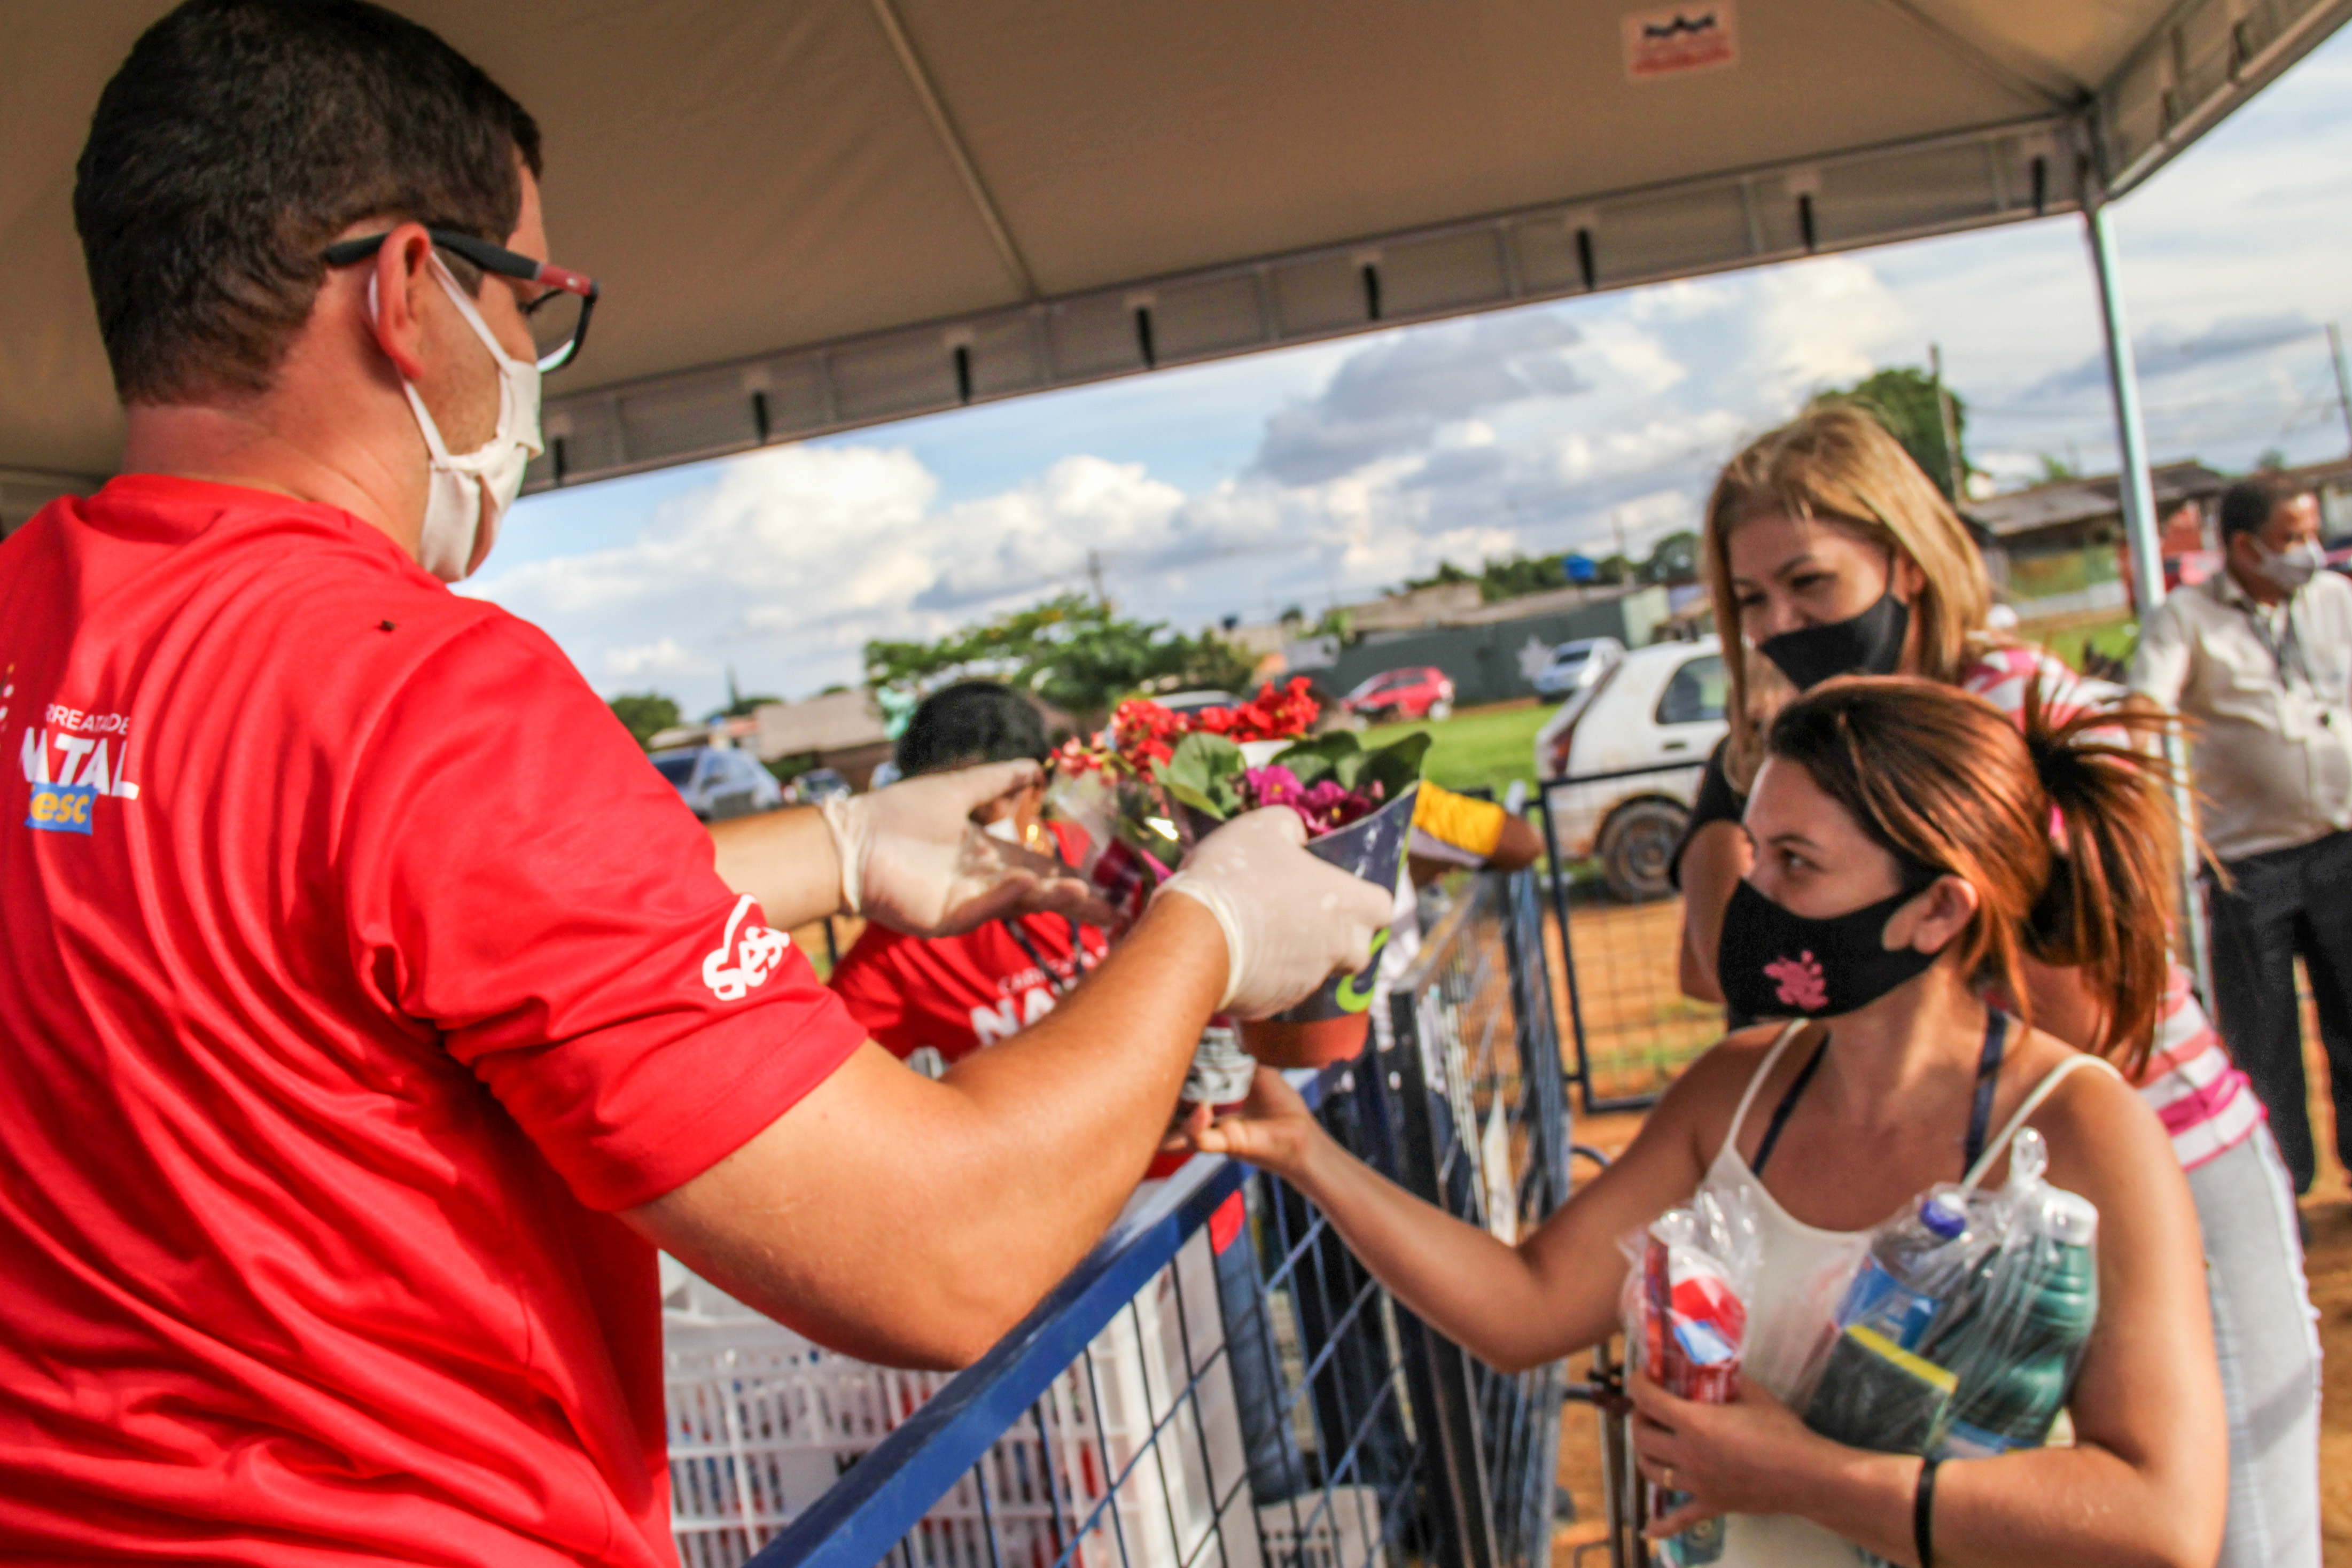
<point x="1685" y="38"/>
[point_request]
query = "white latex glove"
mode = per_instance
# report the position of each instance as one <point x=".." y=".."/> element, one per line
<point x="1291" y="920"/>
<point x="912" y="858"/>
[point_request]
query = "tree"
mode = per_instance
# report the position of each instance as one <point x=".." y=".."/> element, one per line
<point x="738" y="705"/>
<point x="1674" y="558"/>
<point x="647" y="714"/>
<point x="1072" y="651"/>
<point x="2055" y="469"/>
<point x="1904" y="401"/>
<point x="1512" y="577"/>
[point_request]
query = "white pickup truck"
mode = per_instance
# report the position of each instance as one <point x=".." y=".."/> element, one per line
<point x="1621" y="761"/>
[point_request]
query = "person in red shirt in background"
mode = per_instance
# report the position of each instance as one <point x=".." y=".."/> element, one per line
<point x="349" y="1077"/>
<point x="932" y="1002"/>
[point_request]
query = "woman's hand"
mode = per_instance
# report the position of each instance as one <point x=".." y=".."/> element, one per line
<point x="1274" y="1130"/>
<point x="1740" y="1458"/>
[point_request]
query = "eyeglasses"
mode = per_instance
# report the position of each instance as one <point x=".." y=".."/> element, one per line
<point x="558" y="319"/>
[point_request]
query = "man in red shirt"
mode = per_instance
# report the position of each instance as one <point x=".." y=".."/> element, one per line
<point x="935" y="1001"/>
<point x="349" y="1075"/>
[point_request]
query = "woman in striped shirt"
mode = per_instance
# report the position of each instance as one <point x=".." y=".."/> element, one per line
<point x="1829" y="552"/>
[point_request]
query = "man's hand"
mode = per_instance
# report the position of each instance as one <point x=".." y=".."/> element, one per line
<point x="1291" y="920"/>
<point x="912" y="858"/>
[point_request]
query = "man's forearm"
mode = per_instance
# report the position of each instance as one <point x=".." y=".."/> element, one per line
<point x="912" y="1222"/>
<point x="786" y="860"/>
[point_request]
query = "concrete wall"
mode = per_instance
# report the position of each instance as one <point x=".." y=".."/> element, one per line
<point x="1484" y="662"/>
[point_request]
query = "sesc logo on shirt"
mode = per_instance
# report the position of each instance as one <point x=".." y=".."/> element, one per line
<point x="755" y="950"/>
<point x="61" y="808"/>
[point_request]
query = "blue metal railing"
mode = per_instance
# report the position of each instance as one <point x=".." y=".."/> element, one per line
<point x="1219" y="1385"/>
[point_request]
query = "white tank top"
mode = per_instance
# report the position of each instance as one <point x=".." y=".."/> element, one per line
<point x="1792" y="1310"/>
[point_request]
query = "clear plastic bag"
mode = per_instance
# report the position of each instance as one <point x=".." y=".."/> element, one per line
<point x="1963" y="1329"/>
<point x="1132" y="835"/>
<point x="1685" y="1313"/>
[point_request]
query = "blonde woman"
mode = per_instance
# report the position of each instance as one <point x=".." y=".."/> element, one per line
<point x="1828" y="552"/>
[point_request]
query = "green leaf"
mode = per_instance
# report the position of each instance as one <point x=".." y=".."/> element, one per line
<point x="1395" y="766"/>
<point x="1332" y="756"/>
<point x="1205" y="772"/>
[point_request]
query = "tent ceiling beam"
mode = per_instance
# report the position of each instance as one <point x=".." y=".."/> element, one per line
<point x="944" y="126"/>
<point x="1610" y="241"/>
<point x="2207" y="58"/>
<point x="2055" y="90"/>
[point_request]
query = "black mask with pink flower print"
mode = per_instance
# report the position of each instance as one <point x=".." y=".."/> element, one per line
<point x="1776" y="964"/>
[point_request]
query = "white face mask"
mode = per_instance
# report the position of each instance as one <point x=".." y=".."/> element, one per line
<point x="469" y="492"/>
<point x="2291" y="568"/>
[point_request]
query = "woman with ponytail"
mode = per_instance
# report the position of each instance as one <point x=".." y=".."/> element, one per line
<point x="1828" y="552"/>
<point x="1905" y="867"/>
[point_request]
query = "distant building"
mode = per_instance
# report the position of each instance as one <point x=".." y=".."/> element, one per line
<point x="2058" y="550"/>
<point x="842" y="730"/>
<point x="2332" y="482"/>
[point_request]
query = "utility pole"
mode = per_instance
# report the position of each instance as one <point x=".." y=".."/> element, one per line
<point x="1953" y="473"/>
<point x="2343" y="380"/>
<point x="1094" y="575"/>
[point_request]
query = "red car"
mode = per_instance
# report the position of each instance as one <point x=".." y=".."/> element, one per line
<point x="1420" y="691"/>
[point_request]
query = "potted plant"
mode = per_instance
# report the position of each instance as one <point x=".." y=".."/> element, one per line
<point x="1163" y="779"/>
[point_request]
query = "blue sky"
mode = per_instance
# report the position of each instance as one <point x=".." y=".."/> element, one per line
<point x="1335" y="470"/>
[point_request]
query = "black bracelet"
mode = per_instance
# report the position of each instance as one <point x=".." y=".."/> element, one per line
<point x="1922" y="1513"/>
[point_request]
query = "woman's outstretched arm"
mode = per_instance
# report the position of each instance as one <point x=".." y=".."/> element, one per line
<point x="1512" y="1307"/>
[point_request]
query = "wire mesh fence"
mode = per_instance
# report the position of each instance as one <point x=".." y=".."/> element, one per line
<point x="1617" y="941"/>
<point x="1221" y="1384"/>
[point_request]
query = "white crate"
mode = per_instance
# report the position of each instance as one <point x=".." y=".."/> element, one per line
<point x="762" y="1421"/>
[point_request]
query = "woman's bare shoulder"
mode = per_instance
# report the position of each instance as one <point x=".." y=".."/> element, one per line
<point x="2104" y="1141"/>
<point x="1707" y="1094"/>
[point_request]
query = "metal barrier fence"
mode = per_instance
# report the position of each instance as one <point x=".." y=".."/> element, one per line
<point x="1219" y="1385"/>
<point x="1609" y="836"/>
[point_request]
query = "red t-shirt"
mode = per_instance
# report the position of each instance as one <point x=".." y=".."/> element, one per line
<point x="356" y="963"/>
<point x="956" y="994"/>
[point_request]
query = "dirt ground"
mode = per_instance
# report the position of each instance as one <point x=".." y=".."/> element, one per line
<point x="2328" y="1213"/>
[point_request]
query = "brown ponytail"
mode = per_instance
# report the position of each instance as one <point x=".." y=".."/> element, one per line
<point x="2066" y="830"/>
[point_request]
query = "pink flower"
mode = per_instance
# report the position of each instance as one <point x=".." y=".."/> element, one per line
<point x="1270" y="786"/>
<point x="1802" y="985"/>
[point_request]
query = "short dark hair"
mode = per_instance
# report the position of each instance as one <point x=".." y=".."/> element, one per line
<point x="2248" y="504"/>
<point x="971" y="722"/>
<point x="238" y="140"/>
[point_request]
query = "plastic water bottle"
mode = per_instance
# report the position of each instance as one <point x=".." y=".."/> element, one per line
<point x="2046" y="1288"/>
<point x="1914" y="1264"/>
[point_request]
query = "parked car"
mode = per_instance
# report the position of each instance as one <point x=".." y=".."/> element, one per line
<point x="819" y="785"/>
<point x="1578" y="664"/>
<point x="1622" y="758"/>
<point x="1193" y="702"/>
<point x="718" y="782"/>
<point x="1421" y="692"/>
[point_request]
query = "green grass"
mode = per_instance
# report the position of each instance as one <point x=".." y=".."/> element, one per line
<point x="2117" y="639"/>
<point x="1485" y="747"/>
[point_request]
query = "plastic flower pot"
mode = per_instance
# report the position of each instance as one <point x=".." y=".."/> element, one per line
<point x="1332" y="1024"/>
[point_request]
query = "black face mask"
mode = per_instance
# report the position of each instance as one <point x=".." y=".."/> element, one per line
<point x="1869" y="644"/>
<point x="1774" y="964"/>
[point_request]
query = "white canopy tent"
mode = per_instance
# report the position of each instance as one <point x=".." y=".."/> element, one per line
<point x="814" y="215"/>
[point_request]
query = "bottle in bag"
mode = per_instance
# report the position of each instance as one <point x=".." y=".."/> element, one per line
<point x="2047" y="1289"/>
<point x="1914" y="1263"/>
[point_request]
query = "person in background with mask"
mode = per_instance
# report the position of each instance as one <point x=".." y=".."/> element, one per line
<point x="2258" y="657"/>
<point x="1829" y="552"/>
<point x="349" y="1076"/>
<point x="1903" y="867"/>
<point x="934" y="1000"/>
